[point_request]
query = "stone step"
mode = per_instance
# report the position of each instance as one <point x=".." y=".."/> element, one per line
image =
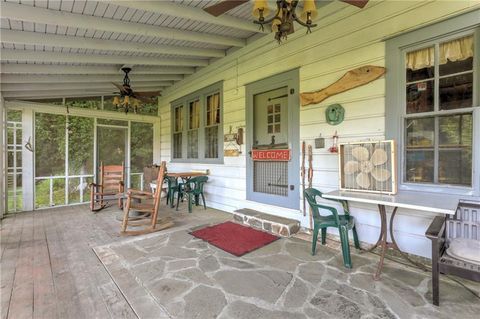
<point x="276" y="225"/>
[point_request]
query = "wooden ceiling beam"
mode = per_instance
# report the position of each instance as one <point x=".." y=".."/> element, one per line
<point x="140" y="86"/>
<point x="6" y="68"/>
<point x="190" y="13"/>
<point x="46" y="16"/>
<point x="60" y="57"/>
<point x="54" y="40"/>
<point x="98" y="78"/>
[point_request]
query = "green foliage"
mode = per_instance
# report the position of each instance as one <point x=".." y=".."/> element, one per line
<point x="49" y="144"/>
<point x="141" y="146"/>
<point x="91" y="103"/>
<point x="80" y="145"/>
<point x="42" y="192"/>
<point x="14" y="116"/>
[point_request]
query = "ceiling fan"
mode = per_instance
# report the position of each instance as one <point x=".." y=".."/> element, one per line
<point x="131" y="98"/>
<point x="227" y="5"/>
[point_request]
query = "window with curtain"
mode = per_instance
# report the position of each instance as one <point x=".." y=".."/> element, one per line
<point x="197" y="129"/>
<point x="211" y="127"/>
<point x="193" y="126"/>
<point x="438" y="121"/>
<point x="177" y="131"/>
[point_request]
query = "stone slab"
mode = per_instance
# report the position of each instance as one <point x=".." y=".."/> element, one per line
<point x="277" y="225"/>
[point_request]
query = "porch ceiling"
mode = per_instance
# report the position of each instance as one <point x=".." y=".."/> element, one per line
<point x="71" y="48"/>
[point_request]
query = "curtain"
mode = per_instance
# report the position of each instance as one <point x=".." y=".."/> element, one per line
<point x="213" y="109"/>
<point x="456" y="50"/>
<point x="420" y="59"/>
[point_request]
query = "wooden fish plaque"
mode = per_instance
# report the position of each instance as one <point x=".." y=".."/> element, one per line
<point x="351" y="79"/>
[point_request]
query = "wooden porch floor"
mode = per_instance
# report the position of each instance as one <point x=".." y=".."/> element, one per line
<point x="49" y="270"/>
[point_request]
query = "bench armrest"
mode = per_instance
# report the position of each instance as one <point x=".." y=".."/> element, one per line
<point x="436" y="228"/>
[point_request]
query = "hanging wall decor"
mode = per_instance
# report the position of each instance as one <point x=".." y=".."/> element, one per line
<point x="234" y="142"/>
<point x="368" y="167"/>
<point x="351" y="79"/>
<point x="334" y="114"/>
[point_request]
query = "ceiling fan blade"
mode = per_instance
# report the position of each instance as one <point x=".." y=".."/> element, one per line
<point x="224" y="6"/>
<point x="120" y="88"/>
<point x="357" y="3"/>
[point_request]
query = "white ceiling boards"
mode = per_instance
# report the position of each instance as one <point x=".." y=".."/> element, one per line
<point x="74" y="45"/>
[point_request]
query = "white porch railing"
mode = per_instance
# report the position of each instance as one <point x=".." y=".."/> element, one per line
<point x="82" y="187"/>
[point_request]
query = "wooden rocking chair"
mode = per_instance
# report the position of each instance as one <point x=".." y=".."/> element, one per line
<point x="146" y="204"/>
<point x="111" y="186"/>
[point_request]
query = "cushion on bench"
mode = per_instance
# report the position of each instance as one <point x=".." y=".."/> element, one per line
<point x="465" y="249"/>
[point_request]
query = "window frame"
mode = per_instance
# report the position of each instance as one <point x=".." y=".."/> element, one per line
<point x="396" y="113"/>
<point x="185" y="101"/>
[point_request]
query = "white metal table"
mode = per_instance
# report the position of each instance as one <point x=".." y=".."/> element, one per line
<point x="431" y="202"/>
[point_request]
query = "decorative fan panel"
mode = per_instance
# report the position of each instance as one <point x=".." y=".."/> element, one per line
<point x="368" y="167"/>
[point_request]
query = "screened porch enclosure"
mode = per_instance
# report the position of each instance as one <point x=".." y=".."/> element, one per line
<point x="55" y="154"/>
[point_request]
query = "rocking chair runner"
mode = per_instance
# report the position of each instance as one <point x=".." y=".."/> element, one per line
<point x="111" y="186"/>
<point x="147" y="204"/>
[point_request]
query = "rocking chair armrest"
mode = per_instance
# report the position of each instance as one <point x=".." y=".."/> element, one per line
<point x="94" y="185"/>
<point x="436" y="228"/>
<point x="132" y="191"/>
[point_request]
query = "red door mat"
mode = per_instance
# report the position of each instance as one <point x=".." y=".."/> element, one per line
<point x="234" y="238"/>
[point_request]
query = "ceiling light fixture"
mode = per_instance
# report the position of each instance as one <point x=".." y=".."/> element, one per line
<point x="282" y="21"/>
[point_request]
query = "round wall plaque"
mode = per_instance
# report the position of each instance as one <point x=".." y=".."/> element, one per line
<point x="335" y="114"/>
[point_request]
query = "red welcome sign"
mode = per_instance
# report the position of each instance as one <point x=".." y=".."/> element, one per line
<point x="271" y="155"/>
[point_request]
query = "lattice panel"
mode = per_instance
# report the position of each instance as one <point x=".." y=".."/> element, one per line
<point x="270" y="178"/>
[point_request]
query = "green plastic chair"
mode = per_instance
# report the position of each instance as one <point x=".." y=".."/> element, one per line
<point x="192" y="189"/>
<point x="343" y="222"/>
<point x="172" y="188"/>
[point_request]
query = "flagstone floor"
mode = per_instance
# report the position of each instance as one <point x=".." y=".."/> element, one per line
<point x="70" y="263"/>
<point x="175" y="275"/>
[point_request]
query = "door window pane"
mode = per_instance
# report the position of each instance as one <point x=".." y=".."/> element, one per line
<point x="49" y="144"/>
<point x="80" y="145"/>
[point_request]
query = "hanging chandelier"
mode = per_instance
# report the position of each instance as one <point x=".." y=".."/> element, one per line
<point x="126" y="92"/>
<point x="131" y="98"/>
<point x="126" y="104"/>
<point x="282" y="21"/>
